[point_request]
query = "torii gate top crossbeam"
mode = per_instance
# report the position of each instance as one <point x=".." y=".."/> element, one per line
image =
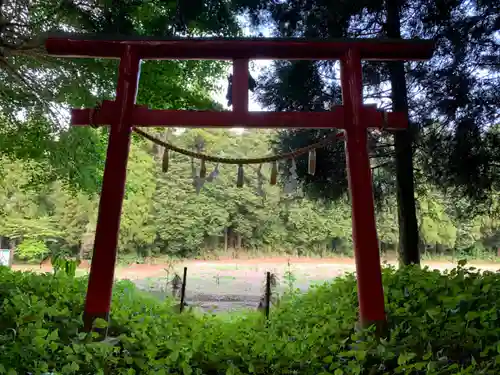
<point x="104" y="46"/>
<point x="240" y="51"/>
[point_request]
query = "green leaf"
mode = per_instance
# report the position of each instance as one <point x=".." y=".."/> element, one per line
<point x="251" y="368"/>
<point x="41" y="332"/>
<point x="74" y="366"/>
<point x="405" y="358"/>
<point x="100" y="323"/>
<point x="360" y="355"/>
<point x="53" y="336"/>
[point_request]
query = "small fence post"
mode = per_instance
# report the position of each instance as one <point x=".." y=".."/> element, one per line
<point x="268" y="293"/>
<point x="183" y="289"/>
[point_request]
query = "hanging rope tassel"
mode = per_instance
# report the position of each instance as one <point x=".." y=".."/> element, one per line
<point x="165" y="161"/>
<point x="311" y="167"/>
<point x="240" y="180"/>
<point x="274" y="173"/>
<point x="203" y="169"/>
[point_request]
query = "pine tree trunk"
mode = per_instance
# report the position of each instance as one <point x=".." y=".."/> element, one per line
<point x="407" y="216"/>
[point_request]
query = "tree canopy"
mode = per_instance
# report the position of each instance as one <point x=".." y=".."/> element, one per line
<point x="38" y="89"/>
<point x="449" y="113"/>
<point x="453" y="99"/>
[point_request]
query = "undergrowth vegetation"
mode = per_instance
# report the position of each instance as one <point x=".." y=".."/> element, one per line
<point x="440" y="323"/>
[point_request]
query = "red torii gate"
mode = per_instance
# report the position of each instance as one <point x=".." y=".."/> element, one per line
<point x="123" y="114"/>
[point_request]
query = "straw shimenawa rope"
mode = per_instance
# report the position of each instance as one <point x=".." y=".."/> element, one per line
<point x="217" y="159"/>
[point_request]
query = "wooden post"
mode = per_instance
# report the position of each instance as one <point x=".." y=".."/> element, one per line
<point x="183" y="289"/>
<point x="268" y="293"/>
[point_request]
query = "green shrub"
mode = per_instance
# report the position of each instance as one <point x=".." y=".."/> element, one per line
<point x="439" y="324"/>
<point x="31" y="250"/>
<point x="61" y="263"/>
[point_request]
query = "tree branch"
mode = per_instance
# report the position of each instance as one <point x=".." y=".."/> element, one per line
<point x="380" y="166"/>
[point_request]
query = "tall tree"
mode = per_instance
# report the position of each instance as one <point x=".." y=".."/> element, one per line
<point x="465" y="36"/>
<point x="37" y="89"/>
<point x="403" y="146"/>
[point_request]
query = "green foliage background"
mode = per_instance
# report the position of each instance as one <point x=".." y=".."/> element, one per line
<point x="163" y="215"/>
<point x="50" y="174"/>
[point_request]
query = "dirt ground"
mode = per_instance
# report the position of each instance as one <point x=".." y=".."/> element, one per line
<point x="230" y="284"/>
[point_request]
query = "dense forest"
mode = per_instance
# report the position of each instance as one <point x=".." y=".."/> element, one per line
<point x="50" y="175"/>
<point x="163" y="214"/>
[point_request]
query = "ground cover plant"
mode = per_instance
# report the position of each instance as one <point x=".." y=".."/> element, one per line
<point x="440" y="323"/>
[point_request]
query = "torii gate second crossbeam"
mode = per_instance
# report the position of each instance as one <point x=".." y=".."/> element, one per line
<point x="122" y="114"/>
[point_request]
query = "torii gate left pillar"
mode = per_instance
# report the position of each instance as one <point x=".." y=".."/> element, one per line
<point x="122" y="114"/>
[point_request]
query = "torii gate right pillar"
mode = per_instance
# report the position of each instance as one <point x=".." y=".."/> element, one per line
<point x="364" y="232"/>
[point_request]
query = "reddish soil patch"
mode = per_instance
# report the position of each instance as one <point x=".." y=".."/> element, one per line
<point x="279" y="260"/>
<point x="85" y="264"/>
<point x="139" y="271"/>
<point x="46" y="266"/>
